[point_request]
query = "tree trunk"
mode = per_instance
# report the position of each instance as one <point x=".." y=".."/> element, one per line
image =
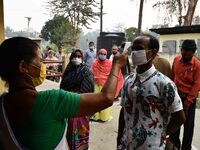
<point x="190" y="12"/>
<point x="140" y="17"/>
<point x="180" y="12"/>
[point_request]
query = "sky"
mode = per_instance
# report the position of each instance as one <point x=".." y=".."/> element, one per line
<point x="117" y="12"/>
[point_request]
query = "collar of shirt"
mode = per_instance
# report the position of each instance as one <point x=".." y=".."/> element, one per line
<point x="142" y="77"/>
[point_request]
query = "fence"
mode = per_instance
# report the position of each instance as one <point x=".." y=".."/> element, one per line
<point x="55" y="69"/>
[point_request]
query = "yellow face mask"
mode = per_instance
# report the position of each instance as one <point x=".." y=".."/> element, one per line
<point x="39" y="80"/>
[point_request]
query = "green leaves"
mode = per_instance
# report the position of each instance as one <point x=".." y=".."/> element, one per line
<point x="56" y="30"/>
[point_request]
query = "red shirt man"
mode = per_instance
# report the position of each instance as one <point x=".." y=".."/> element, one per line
<point x="186" y="75"/>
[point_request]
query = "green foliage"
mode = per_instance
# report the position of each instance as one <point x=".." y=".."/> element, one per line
<point x="79" y="12"/>
<point x="58" y="30"/>
<point x="131" y="33"/>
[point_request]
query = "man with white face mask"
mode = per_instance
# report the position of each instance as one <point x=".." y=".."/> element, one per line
<point x="90" y="54"/>
<point x="151" y="106"/>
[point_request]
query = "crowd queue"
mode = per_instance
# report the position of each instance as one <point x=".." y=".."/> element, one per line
<point x="156" y="99"/>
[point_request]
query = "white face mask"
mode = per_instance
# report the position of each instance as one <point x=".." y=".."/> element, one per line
<point x="139" y="57"/>
<point x="76" y="61"/>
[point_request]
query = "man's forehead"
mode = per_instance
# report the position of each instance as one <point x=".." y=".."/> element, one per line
<point x="142" y="40"/>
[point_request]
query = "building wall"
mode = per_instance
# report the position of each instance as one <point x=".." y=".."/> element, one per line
<point x="178" y="38"/>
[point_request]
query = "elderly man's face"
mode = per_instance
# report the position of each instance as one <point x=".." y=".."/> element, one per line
<point x="115" y="49"/>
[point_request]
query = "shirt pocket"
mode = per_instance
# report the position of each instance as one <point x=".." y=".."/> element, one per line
<point x="188" y="74"/>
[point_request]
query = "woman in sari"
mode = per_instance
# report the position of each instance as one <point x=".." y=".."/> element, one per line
<point x="79" y="79"/>
<point x="101" y="68"/>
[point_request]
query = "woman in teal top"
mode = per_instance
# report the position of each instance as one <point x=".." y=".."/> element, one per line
<point x="38" y="119"/>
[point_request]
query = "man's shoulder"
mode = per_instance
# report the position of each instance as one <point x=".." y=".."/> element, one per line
<point x="178" y="57"/>
<point x="163" y="79"/>
<point x="129" y="78"/>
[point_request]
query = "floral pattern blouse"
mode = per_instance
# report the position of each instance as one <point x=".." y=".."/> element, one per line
<point x="148" y="100"/>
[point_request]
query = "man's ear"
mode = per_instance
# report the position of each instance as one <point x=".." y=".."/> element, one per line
<point x="22" y="67"/>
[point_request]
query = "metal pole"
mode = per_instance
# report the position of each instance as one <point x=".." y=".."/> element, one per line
<point x="140" y="18"/>
<point x="101" y="16"/>
<point x="28" y="19"/>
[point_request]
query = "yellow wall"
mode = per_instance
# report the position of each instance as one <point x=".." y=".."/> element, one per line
<point x="178" y="38"/>
<point x="1" y="21"/>
<point x="2" y="84"/>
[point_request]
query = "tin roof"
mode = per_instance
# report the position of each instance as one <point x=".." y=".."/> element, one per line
<point x="177" y="30"/>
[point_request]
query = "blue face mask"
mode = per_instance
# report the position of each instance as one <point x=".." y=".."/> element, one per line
<point x="102" y="57"/>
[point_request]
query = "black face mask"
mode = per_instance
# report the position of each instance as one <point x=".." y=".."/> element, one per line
<point x="114" y="53"/>
<point x="186" y="59"/>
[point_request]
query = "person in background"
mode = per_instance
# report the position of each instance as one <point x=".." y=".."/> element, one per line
<point x="186" y="76"/>
<point x="37" y="120"/>
<point x="51" y="57"/>
<point x="151" y="106"/>
<point x="162" y="65"/>
<point x="101" y="68"/>
<point x="126" y="70"/>
<point x="51" y="66"/>
<point x="90" y="54"/>
<point x="115" y="50"/>
<point x="59" y="53"/>
<point x="78" y="78"/>
<point x="45" y="52"/>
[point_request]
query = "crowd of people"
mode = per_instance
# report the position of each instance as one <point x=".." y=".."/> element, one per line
<point x="155" y="98"/>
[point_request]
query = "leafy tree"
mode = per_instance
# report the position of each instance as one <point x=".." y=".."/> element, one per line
<point x="78" y="12"/>
<point x="182" y="9"/>
<point x="131" y="33"/>
<point x="58" y="30"/>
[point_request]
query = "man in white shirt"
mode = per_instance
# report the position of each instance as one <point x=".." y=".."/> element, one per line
<point x="115" y="50"/>
<point x="151" y="106"/>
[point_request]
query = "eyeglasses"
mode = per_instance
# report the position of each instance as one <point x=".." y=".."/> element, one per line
<point x="77" y="56"/>
<point x="102" y="54"/>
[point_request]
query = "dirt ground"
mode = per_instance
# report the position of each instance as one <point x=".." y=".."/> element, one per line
<point x="103" y="135"/>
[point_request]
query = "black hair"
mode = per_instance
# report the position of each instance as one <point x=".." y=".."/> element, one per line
<point x="189" y="45"/>
<point x="48" y="48"/>
<point x="14" y="50"/>
<point x="91" y="42"/>
<point x="74" y="50"/>
<point x="153" y="42"/>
